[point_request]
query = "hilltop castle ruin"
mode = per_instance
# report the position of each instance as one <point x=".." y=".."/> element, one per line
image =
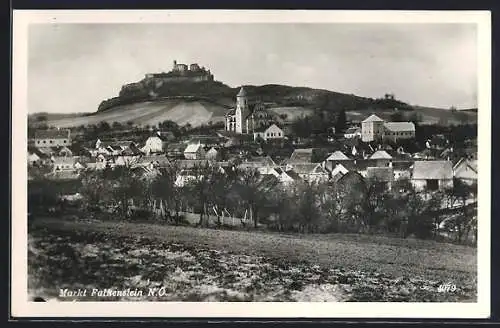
<point x="182" y="73"/>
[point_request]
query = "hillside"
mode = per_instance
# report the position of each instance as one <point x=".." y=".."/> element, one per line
<point x="199" y="103"/>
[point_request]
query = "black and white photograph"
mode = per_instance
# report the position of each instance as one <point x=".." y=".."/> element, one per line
<point x="251" y="161"/>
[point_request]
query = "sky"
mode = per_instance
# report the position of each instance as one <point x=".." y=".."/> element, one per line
<point x="73" y="67"/>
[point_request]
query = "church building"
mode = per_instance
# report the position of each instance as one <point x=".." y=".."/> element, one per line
<point x="246" y="118"/>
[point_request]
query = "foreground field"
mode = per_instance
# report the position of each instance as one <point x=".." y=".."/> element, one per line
<point x="192" y="264"/>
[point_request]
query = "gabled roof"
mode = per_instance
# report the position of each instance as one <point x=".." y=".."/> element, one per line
<point x="307" y="168"/>
<point x="337" y="156"/>
<point x="64" y="160"/>
<point x="467" y="162"/>
<point x="399" y="126"/>
<point x="438" y="170"/>
<point x="352" y="130"/>
<point x="373" y="118"/>
<point x="192" y="148"/>
<point x="380" y="173"/>
<point x="292" y="174"/>
<point x="303" y="155"/>
<point x="380" y="154"/>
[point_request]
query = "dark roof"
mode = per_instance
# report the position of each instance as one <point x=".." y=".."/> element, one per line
<point x="52" y="134"/>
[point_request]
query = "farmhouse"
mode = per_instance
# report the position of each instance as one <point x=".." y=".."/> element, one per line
<point x="311" y="172"/>
<point x="301" y="155"/>
<point x="52" y="138"/>
<point x="432" y="175"/>
<point x="381" y="158"/>
<point x="336" y="158"/>
<point x="153" y="144"/>
<point x="270" y="133"/>
<point x="194" y="151"/>
<point x="466" y="170"/>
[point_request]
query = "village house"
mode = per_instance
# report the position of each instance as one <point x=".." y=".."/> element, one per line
<point x="152" y="161"/>
<point x="311" y="172"/>
<point x="285" y="177"/>
<point x="272" y="132"/>
<point x="466" y="170"/>
<point x="337" y="157"/>
<point x="353" y="132"/>
<point x="33" y="159"/>
<point x="52" y="138"/>
<point x="212" y="154"/>
<point x="262" y="164"/>
<point x="381" y="158"/>
<point x="432" y="175"/>
<point x="154" y="144"/>
<point x="301" y="155"/>
<point x="194" y="151"/>
<point x="374" y="128"/>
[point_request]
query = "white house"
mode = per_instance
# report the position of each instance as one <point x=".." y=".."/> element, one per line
<point x="432" y="175"/>
<point x="336" y="158"/>
<point x="194" y="151"/>
<point x="33" y="158"/>
<point x="270" y="133"/>
<point x="153" y="145"/>
<point x="352" y="133"/>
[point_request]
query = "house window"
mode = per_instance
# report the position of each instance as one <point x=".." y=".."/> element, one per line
<point x="44" y="141"/>
<point x="38" y="141"/>
<point x="50" y="141"/>
<point x="64" y="141"/>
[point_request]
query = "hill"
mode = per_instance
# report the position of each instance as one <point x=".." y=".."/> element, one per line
<point x="202" y="102"/>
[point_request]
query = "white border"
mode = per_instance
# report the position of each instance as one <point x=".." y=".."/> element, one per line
<point x="21" y="307"/>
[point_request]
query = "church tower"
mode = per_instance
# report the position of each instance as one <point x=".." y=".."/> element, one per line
<point x="241" y="111"/>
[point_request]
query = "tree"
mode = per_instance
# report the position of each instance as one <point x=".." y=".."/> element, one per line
<point x="163" y="187"/>
<point x="341" y="123"/>
<point x="397" y="117"/>
<point x="308" y="211"/>
<point x="103" y="126"/>
<point x="458" y="198"/>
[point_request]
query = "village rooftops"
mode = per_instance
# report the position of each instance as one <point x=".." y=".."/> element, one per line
<point x="380" y="154"/>
<point x="373" y="118"/>
<point x="399" y="126"/>
<point x="301" y="155"/>
<point x="432" y="170"/>
<point x="338" y="156"/>
<point x="192" y="148"/>
<point x="352" y="130"/>
<point x="52" y="134"/>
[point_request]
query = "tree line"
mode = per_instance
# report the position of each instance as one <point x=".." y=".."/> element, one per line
<point x="261" y="201"/>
